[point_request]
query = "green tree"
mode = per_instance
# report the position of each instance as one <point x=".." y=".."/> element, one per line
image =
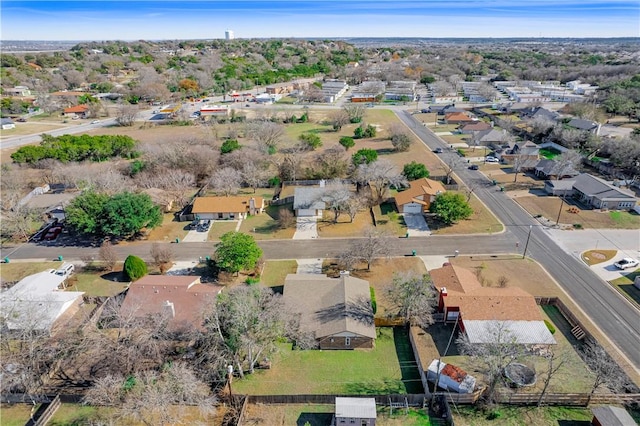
<point x="229" y="145"/>
<point x="414" y="170"/>
<point x="311" y="139"/>
<point x="237" y="251"/>
<point x="134" y="268"/>
<point x="127" y="213"/>
<point x="370" y="131"/>
<point x="451" y="207"/>
<point x="84" y="213"/>
<point x="364" y="156"/>
<point x="347" y="142"/>
<point x="358" y="133"/>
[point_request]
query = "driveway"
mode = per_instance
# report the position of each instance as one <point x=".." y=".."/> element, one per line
<point x="194" y="236"/>
<point x="626" y="241"/>
<point x="306" y="228"/>
<point x="416" y="225"/>
<point x="608" y="272"/>
<point x="309" y="266"/>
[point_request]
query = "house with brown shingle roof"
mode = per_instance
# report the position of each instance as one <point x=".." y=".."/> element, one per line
<point x="458" y="118"/>
<point x="235" y="207"/>
<point x="419" y="196"/>
<point x="337" y="312"/>
<point x="77" y="110"/>
<point x="180" y="298"/>
<point x="480" y="311"/>
<point x="476" y="126"/>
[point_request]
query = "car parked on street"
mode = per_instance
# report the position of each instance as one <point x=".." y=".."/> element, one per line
<point x="491" y="160"/>
<point x="625" y="263"/>
<point x="473" y="167"/>
<point x="438" y="151"/>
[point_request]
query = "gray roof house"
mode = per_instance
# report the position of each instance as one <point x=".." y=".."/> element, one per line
<point x="490" y="137"/>
<point x="559" y="188"/>
<point x="307" y="201"/>
<point x="586" y="125"/>
<point x="611" y="416"/>
<point x="336" y="312"/>
<point x="595" y="192"/>
<point x="355" y="411"/>
<point x="539" y="112"/>
<point x="547" y="168"/>
<point x="7" y="123"/>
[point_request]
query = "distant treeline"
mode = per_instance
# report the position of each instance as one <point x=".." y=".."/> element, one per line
<point x="77" y="148"/>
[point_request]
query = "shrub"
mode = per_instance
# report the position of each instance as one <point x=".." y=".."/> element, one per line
<point x="550" y="327"/>
<point x="374" y="305"/>
<point x="229" y="145"/>
<point x="577" y="225"/>
<point x="134" y="268"/>
<point x="364" y="155"/>
<point x="252" y="280"/>
<point x="414" y="170"/>
<point x="274" y="181"/>
<point x="311" y="139"/>
<point x="347" y="142"/>
<point x="494" y="414"/>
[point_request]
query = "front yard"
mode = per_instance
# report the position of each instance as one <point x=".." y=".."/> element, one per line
<point x="549" y="207"/>
<point x="387" y="368"/>
<point x="481" y="221"/>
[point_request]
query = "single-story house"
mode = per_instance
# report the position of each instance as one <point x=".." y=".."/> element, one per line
<point x="355" y="411"/>
<point x="559" y="188"/>
<point x="611" y="416"/>
<point x="7" y="124"/>
<point x="585" y="125"/>
<point x="307" y="201"/>
<point x="538" y="113"/>
<point x="419" y="196"/>
<point x="79" y="111"/>
<point x="458" y="118"/>
<point x="491" y="137"/>
<point x="337" y="312"/>
<point x="234" y="207"/>
<point x="485" y="313"/>
<point x="477" y="126"/>
<point x="38" y="302"/>
<point x="182" y="298"/>
<point x="547" y="169"/>
<point x="20" y="91"/>
<point x="594" y="191"/>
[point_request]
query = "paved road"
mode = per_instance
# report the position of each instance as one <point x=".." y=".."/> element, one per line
<point x="618" y="319"/>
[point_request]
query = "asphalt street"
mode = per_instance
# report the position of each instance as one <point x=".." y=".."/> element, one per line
<point x="617" y="318"/>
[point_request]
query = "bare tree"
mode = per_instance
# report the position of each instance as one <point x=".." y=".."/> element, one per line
<point x="400" y="138"/>
<point x="555" y="361"/>
<point x="162" y="255"/>
<point x="286" y="218"/>
<point x="374" y="244"/>
<point x="413" y="298"/>
<point x="338" y="119"/>
<point x="605" y="369"/>
<point x="331" y="163"/>
<point x="227" y="181"/>
<point x="108" y="255"/>
<point x="254" y="175"/>
<point x="566" y="162"/>
<point x="266" y="133"/>
<point x="380" y="175"/>
<point x="355" y="112"/>
<point x="126" y="114"/>
<point x="521" y="162"/>
<point x="336" y="197"/>
<point x="354" y="205"/>
<point x="498" y="349"/>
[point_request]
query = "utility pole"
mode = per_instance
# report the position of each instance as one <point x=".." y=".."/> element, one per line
<point x="229" y="379"/>
<point x="524" y="254"/>
<point x="560" y="211"/>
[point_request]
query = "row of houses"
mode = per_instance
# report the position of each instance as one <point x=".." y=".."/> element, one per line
<point x="373" y="91"/>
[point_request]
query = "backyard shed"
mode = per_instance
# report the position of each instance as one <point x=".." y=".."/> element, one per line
<point x="358" y="411"/>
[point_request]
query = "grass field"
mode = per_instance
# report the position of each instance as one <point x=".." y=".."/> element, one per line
<point x="15" y="414"/>
<point x="169" y="230"/>
<point x="523" y="416"/>
<point x="481" y="221"/>
<point x="593" y="257"/>
<point x="625" y="286"/>
<point x="549" y="207"/>
<point x="219" y="228"/>
<point x="388" y="368"/>
<point x="275" y="271"/>
<point x="265" y="226"/>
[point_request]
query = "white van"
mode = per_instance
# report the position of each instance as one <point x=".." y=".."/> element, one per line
<point x="66" y="269"/>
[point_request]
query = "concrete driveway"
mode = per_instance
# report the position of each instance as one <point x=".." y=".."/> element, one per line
<point x="306" y="228"/>
<point x="608" y="272"/>
<point x="416" y="225"/>
<point x="309" y="266"/>
<point x="194" y="236"/>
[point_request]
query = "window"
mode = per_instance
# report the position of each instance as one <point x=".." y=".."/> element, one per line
<point x="347" y="341"/>
<point x="220" y="216"/>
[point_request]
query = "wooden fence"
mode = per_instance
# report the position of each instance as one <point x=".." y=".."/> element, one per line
<point x="566" y="399"/>
<point x="45" y="412"/>
<point x="413" y="400"/>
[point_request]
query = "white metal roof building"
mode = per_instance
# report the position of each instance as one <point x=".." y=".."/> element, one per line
<point x="522" y="332"/>
<point x="355" y="408"/>
<point x="36" y="301"/>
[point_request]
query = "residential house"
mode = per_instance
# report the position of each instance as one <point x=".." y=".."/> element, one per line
<point x="77" y="111"/>
<point x="336" y="312"/>
<point x="181" y="299"/>
<point x="611" y="416"/>
<point x="39" y="303"/>
<point x="527" y="154"/>
<point x="559" y="188"/>
<point x="7" y="124"/>
<point x="491" y="137"/>
<point x="233" y="207"/>
<point x="476" y="126"/>
<point x="596" y="192"/>
<point x="307" y="201"/>
<point x="332" y="90"/>
<point x="547" y="169"/>
<point x="458" y="118"/>
<point x="584" y="125"/>
<point x="482" y="312"/>
<point x="363" y="97"/>
<point x="354" y="411"/>
<point x="401" y="91"/>
<point x="533" y="113"/>
<point x="19" y="91"/>
<point x="419" y="196"/>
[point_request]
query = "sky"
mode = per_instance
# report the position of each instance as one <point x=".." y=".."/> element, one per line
<point x="165" y="19"/>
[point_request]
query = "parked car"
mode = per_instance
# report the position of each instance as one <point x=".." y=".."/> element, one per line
<point x="95" y="122"/>
<point x="473" y="167"/>
<point x="22" y="120"/>
<point x="204" y="225"/>
<point x="491" y="160"/>
<point x="438" y="151"/>
<point x="425" y="111"/>
<point x="194" y="224"/>
<point x="625" y="263"/>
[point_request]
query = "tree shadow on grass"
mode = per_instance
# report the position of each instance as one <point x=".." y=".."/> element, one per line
<point x="408" y="365"/>
<point x="376" y="387"/>
<point x="314" y="419"/>
<point x="116" y="276"/>
<point x="574" y="423"/>
<point x="632" y="291"/>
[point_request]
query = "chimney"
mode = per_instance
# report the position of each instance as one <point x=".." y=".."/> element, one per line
<point x="252" y="206"/>
<point x="322" y="183"/>
<point x="169" y="309"/>
<point x="443" y="294"/>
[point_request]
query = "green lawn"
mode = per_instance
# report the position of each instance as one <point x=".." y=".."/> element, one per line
<point x="549" y="153"/>
<point x="357" y="372"/>
<point x="15" y="414"/>
<point x="221" y="227"/>
<point x="98" y="283"/>
<point x="275" y="271"/>
<point x="625" y="286"/>
<point x="265" y="226"/>
<point x="523" y="416"/>
<point x="625" y="220"/>
<point x="75" y="415"/>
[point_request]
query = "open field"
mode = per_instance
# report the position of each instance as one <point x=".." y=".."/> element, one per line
<point x="321" y="415"/>
<point x="359" y="372"/>
<point x="15" y="414"/>
<point x="265" y="226"/>
<point x="481" y="221"/>
<point x="549" y="207"/>
<point x="169" y="230"/>
<point x="29" y="128"/>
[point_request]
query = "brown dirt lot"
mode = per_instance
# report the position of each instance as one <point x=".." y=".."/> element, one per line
<point x="549" y="206"/>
